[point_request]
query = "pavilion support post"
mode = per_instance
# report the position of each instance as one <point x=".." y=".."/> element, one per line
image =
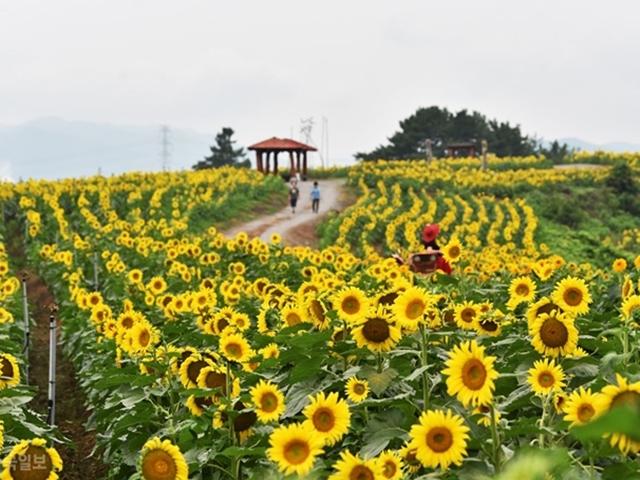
<point x="259" y="160"/>
<point x="275" y="162"/>
<point x="304" y="165"/>
<point x="268" y="162"/>
<point x="297" y="160"/>
<point x="292" y="170"/>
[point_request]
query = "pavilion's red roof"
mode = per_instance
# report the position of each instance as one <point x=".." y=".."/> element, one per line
<point x="275" y="143"/>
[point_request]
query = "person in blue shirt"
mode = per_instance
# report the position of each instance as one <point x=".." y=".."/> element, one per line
<point x="315" y="198"/>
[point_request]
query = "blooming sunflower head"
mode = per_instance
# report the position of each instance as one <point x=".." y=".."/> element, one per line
<point x="572" y="295"/>
<point x="351" y="304"/>
<point x="162" y="460"/>
<point x="581" y="406"/>
<point x="376" y="331"/>
<point x="9" y="371"/>
<point x="328" y="416"/>
<point x="554" y="334"/>
<point x="268" y="401"/>
<point x="465" y="315"/>
<point x="234" y="347"/>
<point x="391" y="465"/>
<point x="440" y="439"/>
<point x="353" y="466"/>
<point x="470" y="374"/>
<point x="31" y="459"/>
<point x="521" y="290"/>
<point x="546" y="377"/>
<point x="294" y="449"/>
<point x="410" y="307"/>
<point x="623" y="393"/>
<point x="357" y="390"/>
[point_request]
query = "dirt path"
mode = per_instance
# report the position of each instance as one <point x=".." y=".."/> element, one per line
<point x="71" y="414"/>
<point x="298" y="228"/>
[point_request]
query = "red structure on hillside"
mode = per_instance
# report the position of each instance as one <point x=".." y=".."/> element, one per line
<point x="274" y="146"/>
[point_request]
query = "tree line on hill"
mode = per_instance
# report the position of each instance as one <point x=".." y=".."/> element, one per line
<point x="443" y="127"/>
<point x="439" y="125"/>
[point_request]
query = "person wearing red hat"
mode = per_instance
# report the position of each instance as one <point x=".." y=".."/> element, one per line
<point x="432" y="258"/>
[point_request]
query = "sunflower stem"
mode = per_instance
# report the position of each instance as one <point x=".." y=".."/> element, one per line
<point x="425" y="364"/>
<point x="495" y="443"/>
<point x="379" y="361"/>
<point x="541" y="437"/>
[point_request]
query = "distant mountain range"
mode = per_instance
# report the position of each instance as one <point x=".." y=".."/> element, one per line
<point x="56" y="148"/>
<point x="580" y="144"/>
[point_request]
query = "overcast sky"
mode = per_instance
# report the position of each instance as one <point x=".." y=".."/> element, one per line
<point x="558" y="68"/>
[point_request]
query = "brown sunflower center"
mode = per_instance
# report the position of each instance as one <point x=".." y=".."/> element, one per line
<point x="488" y="325"/>
<point x="216" y="380"/>
<point x="522" y="289"/>
<point x="222" y="324"/>
<point x="293" y="319"/>
<point x="233" y="350"/>
<point x="127" y="322"/>
<point x="546" y="308"/>
<point x="376" y="330"/>
<point x="629" y="398"/>
<point x="359" y="389"/>
<point x="546" y="379"/>
<point x="350" y="305"/>
<point x="585" y="412"/>
<point x="324" y="420"/>
<point x="144" y="338"/>
<point x="296" y="451"/>
<point x="474" y="374"/>
<point x="439" y="439"/>
<point x="572" y="296"/>
<point x="388" y="298"/>
<point x="360" y="472"/>
<point x="6" y="368"/>
<point x="193" y="370"/>
<point x="389" y="469"/>
<point x="159" y="465"/>
<point x="468" y="314"/>
<point x="554" y="333"/>
<point x="34" y="464"/>
<point x="415" y="309"/>
<point x="318" y="310"/>
<point x="454" y="251"/>
<point x="244" y="421"/>
<point x="269" y="402"/>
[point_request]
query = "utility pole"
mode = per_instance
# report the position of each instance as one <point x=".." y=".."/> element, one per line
<point x="484" y="146"/>
<point x="428" y="146"/>
<point x="165" y="144"/>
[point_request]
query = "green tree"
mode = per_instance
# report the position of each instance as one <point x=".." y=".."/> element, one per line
<point x="556" y="152"/>
<point x="443" y="127"/>
<point x="223" y="153"/>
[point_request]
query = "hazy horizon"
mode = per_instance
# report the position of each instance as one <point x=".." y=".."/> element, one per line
<point x="560" y="70"/>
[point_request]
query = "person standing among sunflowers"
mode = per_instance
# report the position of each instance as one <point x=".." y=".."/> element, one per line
<point x="431" y="259"/>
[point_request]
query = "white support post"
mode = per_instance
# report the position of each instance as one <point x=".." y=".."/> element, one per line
<point x="27" y="341"/>
<point x="52" y="369"/>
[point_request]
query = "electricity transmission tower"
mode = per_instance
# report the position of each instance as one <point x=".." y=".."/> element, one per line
<point x="165" y="143"/>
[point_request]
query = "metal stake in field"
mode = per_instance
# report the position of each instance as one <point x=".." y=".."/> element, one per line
<point x="25" y="310"/>
<point x="52" y="370"/>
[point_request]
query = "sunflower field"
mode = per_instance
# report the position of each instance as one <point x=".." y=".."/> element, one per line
<point x="207" y="357"/>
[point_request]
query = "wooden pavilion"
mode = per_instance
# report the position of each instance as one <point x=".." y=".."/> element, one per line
<point x="460" y="149"/>
<point x="297" y="155"/>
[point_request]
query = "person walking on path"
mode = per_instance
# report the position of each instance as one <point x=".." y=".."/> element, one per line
<point x="315" y="198"/>
<point x="294" y="193"/>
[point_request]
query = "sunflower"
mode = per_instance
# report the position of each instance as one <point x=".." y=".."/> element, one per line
<point x="619" y="265"/>
<point x="408" y="456"/>
<point x="631" y="307"/>
<point x="215" y="378"/>
<point x="190" y="369"/>
<point x="318" y="313"/>
<point x="294" y="448"/>
<point x="554" y="334"/>
<point x="572" y="295"/>
<point x="410" y="307"/>
<point x="9" y="371"/>
<point x="351" y="467"/>
<point x="484" y="414"/>
<point x="546" y="377"/>
<point x="465" y="315"/>
<point x="452" y="250"/>
<point x="521" y="290"/>
<point x="157" y="285"/>
<point x="376" y="332"/>
<point x="470" y="374"/>
<point x="135" y="276"/>
<point x="544" y="305"/>
<point x="292" y="315"/>
<point x="162" y="460"/>
<point x="611" y="396"/>
<point x="268" y="400"/>
<point x="328" y="417"/>
<point x="351" y="304"/>
<point x="581" y="406"/>
<point x="143" y="336"/>
<point x="197" y="405"/>
<point x="270" y="351"/>
<point x="628" y="288"/>
<point x="356" y="390"/>
<point x="31" y="459"/>
<point x="391" y="465"/>
<point x="489" y="323"/>
<point x="235" y="347"/>
<point x="440" y="439"/>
